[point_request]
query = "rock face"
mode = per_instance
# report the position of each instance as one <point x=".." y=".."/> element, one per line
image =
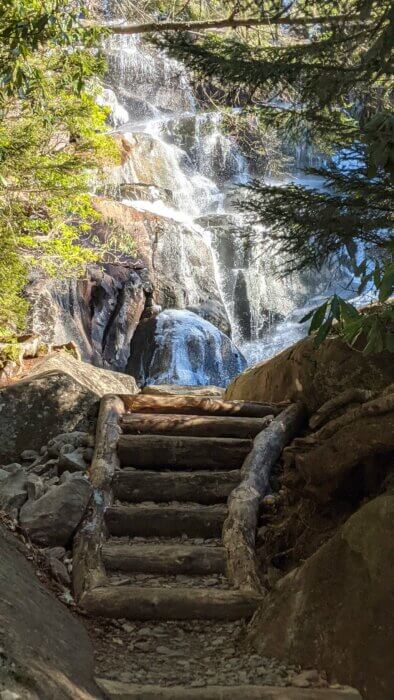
<point x="40" y="657"/>
<point x="51" y="520"/>
<point x="61" y="395"/>
<point x="312" y="374"/>
<point x="98" y="312"/>
<point x="179" y="347"/>
<point x="178" y="257"/>
<point x="336" y="611"/>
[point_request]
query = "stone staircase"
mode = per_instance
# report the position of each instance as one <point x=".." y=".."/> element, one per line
<point x="158" y="516"/>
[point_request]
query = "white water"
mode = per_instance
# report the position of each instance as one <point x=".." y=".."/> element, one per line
<point x="185" y="165"/>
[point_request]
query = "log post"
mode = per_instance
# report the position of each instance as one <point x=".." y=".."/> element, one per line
<point x="88" y="568"/>
<point x="239" y="529"/>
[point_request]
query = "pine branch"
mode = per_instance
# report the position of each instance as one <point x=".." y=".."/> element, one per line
<point x="230" y="22"/>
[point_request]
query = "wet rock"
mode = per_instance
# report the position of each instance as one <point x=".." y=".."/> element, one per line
<point x="214" y="312"/>
<point x="179" y="347"/>
<point x="52" y="519"/>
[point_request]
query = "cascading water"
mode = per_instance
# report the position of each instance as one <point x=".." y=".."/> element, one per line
<point x="183" y="167"/>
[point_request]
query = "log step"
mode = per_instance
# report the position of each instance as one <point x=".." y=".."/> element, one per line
<point x="164" y="559"/>
<point x="200" y="426"/>
<point x="143" y="603"/>
<point x="166" y="521"/>
<point x="116" y="690"/>
<point x="144" y="403"/>
<point x="205" y="487"/>
<point x="161" y="451"/>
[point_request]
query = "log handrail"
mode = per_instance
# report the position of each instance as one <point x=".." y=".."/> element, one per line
<point x="88" y="568"/>
<point x="239" y="529"/>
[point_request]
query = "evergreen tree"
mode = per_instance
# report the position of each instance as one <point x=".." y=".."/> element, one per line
<point x="52" y="137"/>
<point x="332" y="81"/>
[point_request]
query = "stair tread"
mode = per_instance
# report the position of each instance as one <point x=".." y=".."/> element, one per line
<point x="208" y="487"/>
<point x="178" y="424"/>
<point x="155" y="559"/>
<point x="163" y="519"/>
<point x="161" y="451"/>
<point x="141" y="403"/>
<point x="117" y="690"/>
<point x="180" y="603"/>
<point x="173" y="581"/>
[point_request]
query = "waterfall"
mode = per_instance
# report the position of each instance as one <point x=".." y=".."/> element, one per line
<point x="186" y="168"/>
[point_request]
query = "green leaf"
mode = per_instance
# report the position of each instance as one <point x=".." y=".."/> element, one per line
<point x="308" y="316"/>
<point x="318" y="317"/>
<point x="323" y="331"/>
<point x="348" y="311"/>
<point x="375" y="339"/>
<point x="386" y="288"/>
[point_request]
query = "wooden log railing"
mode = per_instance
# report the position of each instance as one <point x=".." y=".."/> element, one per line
<point x="239" y="529"/>
<point x="88" y="568"/>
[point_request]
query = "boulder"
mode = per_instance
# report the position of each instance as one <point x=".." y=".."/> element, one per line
<point x="59" y="395"/>
<point x="336" y="611"/>
<point x="98" y="312"/>
<point x="13" y="489"/>
<point x="179" y="347"/>
<point x="51" y="520"/>
<point x="312" y="374"/>
<point x="214" y="312"/>
<point x="39" y="654"/>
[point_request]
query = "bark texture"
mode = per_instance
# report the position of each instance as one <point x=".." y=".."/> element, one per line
<point x="239" y="532"/>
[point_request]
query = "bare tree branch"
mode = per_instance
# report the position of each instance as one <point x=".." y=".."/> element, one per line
<point x="227" y="22"/>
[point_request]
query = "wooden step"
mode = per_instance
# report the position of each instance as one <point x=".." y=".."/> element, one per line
<point x="166" y="521"/>
<point x="199" y="487"/>
<point x="116" y="690"/>
<point x="143" y="403"/>
<point x="143" y="603"/>
<point x="200" y="426"/>
<point x="164" y="559"/>
<point x="161" y="451"/>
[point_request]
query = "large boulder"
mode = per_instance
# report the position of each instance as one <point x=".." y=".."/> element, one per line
<point x="98" y="312"/>
<point x="52" y="519"/>
<point x="336" y="611"/>
<point x="45" y="650"/>
<point x="313" y="374"/>
<point x="179" y="347"/>
<point x="60" y="395"/>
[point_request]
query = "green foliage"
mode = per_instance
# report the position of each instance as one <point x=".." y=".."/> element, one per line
<point x="371" y="330"/>
<point x="52" y="139"/>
